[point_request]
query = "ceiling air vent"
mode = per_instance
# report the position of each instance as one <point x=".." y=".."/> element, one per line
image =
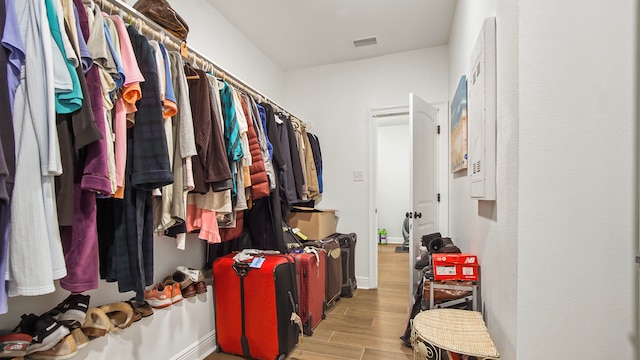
<point x="365" y="42"/>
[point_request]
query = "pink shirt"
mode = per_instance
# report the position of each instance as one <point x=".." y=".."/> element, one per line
<point x="126" y="104"/>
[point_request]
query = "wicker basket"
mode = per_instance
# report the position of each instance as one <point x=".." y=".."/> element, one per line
<point x="459" y="331"/>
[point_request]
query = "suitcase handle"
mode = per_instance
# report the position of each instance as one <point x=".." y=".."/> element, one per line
<point x="241" y="268"/>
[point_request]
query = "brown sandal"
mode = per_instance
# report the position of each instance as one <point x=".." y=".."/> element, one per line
<point x="120" y="315"/>
<point x="143" y="308"/>
<point x="96" y="323"/>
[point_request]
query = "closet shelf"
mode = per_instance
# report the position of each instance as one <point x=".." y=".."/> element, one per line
<point x="155" y="32"/>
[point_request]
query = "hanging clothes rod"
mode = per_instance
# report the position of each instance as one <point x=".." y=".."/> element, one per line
<point x="155" y="32"/>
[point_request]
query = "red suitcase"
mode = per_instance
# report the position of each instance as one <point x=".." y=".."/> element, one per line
<point x="311" y="271"/>
<point x="255" y="306"/>
<point x="334" y="268"/>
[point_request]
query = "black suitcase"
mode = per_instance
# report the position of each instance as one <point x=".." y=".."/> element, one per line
<point x="348" y="254"/>
<point x="334" y="267"/>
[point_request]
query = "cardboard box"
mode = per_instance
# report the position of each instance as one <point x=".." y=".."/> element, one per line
<point x="455" y="267"/>
<point x="316" y="224"/>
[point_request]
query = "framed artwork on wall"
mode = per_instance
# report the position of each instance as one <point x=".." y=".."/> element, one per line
<point x="459" y="141"/>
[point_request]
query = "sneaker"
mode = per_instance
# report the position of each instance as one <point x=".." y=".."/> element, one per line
<point x="65" y="349"/>
<point x="186" y="283"/>
<point x="194" y="274"/>
<point x="189" y="291"/>
<point x="176" y="293"/>
<point x="201" y="287"/>
<point x="45" y="331"/>
<point x="158" y="297"/>
<point x="73" y="309"/>
<point x="14" y="345"/>
<point x="196" y="277"/>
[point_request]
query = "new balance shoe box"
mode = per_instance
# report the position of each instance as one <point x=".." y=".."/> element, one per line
<point x="315" y="224"/>
<point x="455" y="267"/>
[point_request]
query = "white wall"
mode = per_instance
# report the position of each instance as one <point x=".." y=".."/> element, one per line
<point x="558" y="242"/>
<point x="489" y="229"/>
<point x="393" y="178"/>
<point x="215" y="37"/>
<point x="577" y="180"/>
<point x="335" y="99"/>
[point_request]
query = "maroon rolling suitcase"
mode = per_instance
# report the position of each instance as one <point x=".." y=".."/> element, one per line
<point x="255" y="302"/>
<point x="311" y="273"/>
<point x="348" y="253"/>
<point x="334" y="268"/>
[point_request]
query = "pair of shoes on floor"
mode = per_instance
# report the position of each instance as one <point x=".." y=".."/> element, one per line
<point x="196" y="276"/>
<point x="71" y="311"/>
<point x="108" y="318"/>
<point x="163" y="294"/>
<point x="46" y="333"/>
<point x="187" y="287"/>
<point x="140" y="310"/>
<point x="191" y="281"/>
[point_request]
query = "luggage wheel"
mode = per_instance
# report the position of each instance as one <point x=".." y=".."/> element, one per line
<point x="281" y="357"/>
<point x="307" y="329"/>
<point x="324" y="310"/>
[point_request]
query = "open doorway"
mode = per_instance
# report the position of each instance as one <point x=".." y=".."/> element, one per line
<point x="391" y="120"/>
<point x="392" y="188"/>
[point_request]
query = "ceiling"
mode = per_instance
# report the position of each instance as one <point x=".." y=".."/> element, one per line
<point x="298" y="34"/>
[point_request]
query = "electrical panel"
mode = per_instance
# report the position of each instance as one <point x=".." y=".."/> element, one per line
<point x="481" y="113"/>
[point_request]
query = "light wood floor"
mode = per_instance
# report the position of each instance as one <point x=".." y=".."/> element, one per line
<point x="366" y="326"/>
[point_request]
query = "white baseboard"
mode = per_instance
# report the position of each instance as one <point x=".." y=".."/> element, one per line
<point x="395" y="240"/>
<point x="200" y="349"/>
<point x="363" y="282"/>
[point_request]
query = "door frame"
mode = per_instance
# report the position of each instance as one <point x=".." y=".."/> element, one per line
<point x="442" y="158"/>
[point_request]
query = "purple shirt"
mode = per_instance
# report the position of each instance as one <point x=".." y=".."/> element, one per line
<point x="12" y="41"/>
<point x="85" y="55"/>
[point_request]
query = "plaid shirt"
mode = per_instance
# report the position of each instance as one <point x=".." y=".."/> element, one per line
<point x="147" y="168"/>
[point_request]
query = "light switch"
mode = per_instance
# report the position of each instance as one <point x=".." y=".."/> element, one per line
<point x="358" y="175"/>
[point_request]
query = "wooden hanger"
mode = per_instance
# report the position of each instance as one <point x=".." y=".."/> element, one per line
<point x="190" y="72"/>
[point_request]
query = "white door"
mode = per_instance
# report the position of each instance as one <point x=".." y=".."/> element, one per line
<point x="423" y="122"/>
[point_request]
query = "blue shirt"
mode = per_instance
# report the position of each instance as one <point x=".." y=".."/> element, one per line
<point x="120" y="79"/>
<point x="169" y="94"/>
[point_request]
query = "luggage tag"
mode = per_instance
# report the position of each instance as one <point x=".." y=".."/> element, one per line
<point x="257" y="262"/>
<point x="299" y="233"/>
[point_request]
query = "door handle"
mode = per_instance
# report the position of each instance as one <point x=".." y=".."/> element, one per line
<point x="417" y="215"/>
<point x="409" y="215"/>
